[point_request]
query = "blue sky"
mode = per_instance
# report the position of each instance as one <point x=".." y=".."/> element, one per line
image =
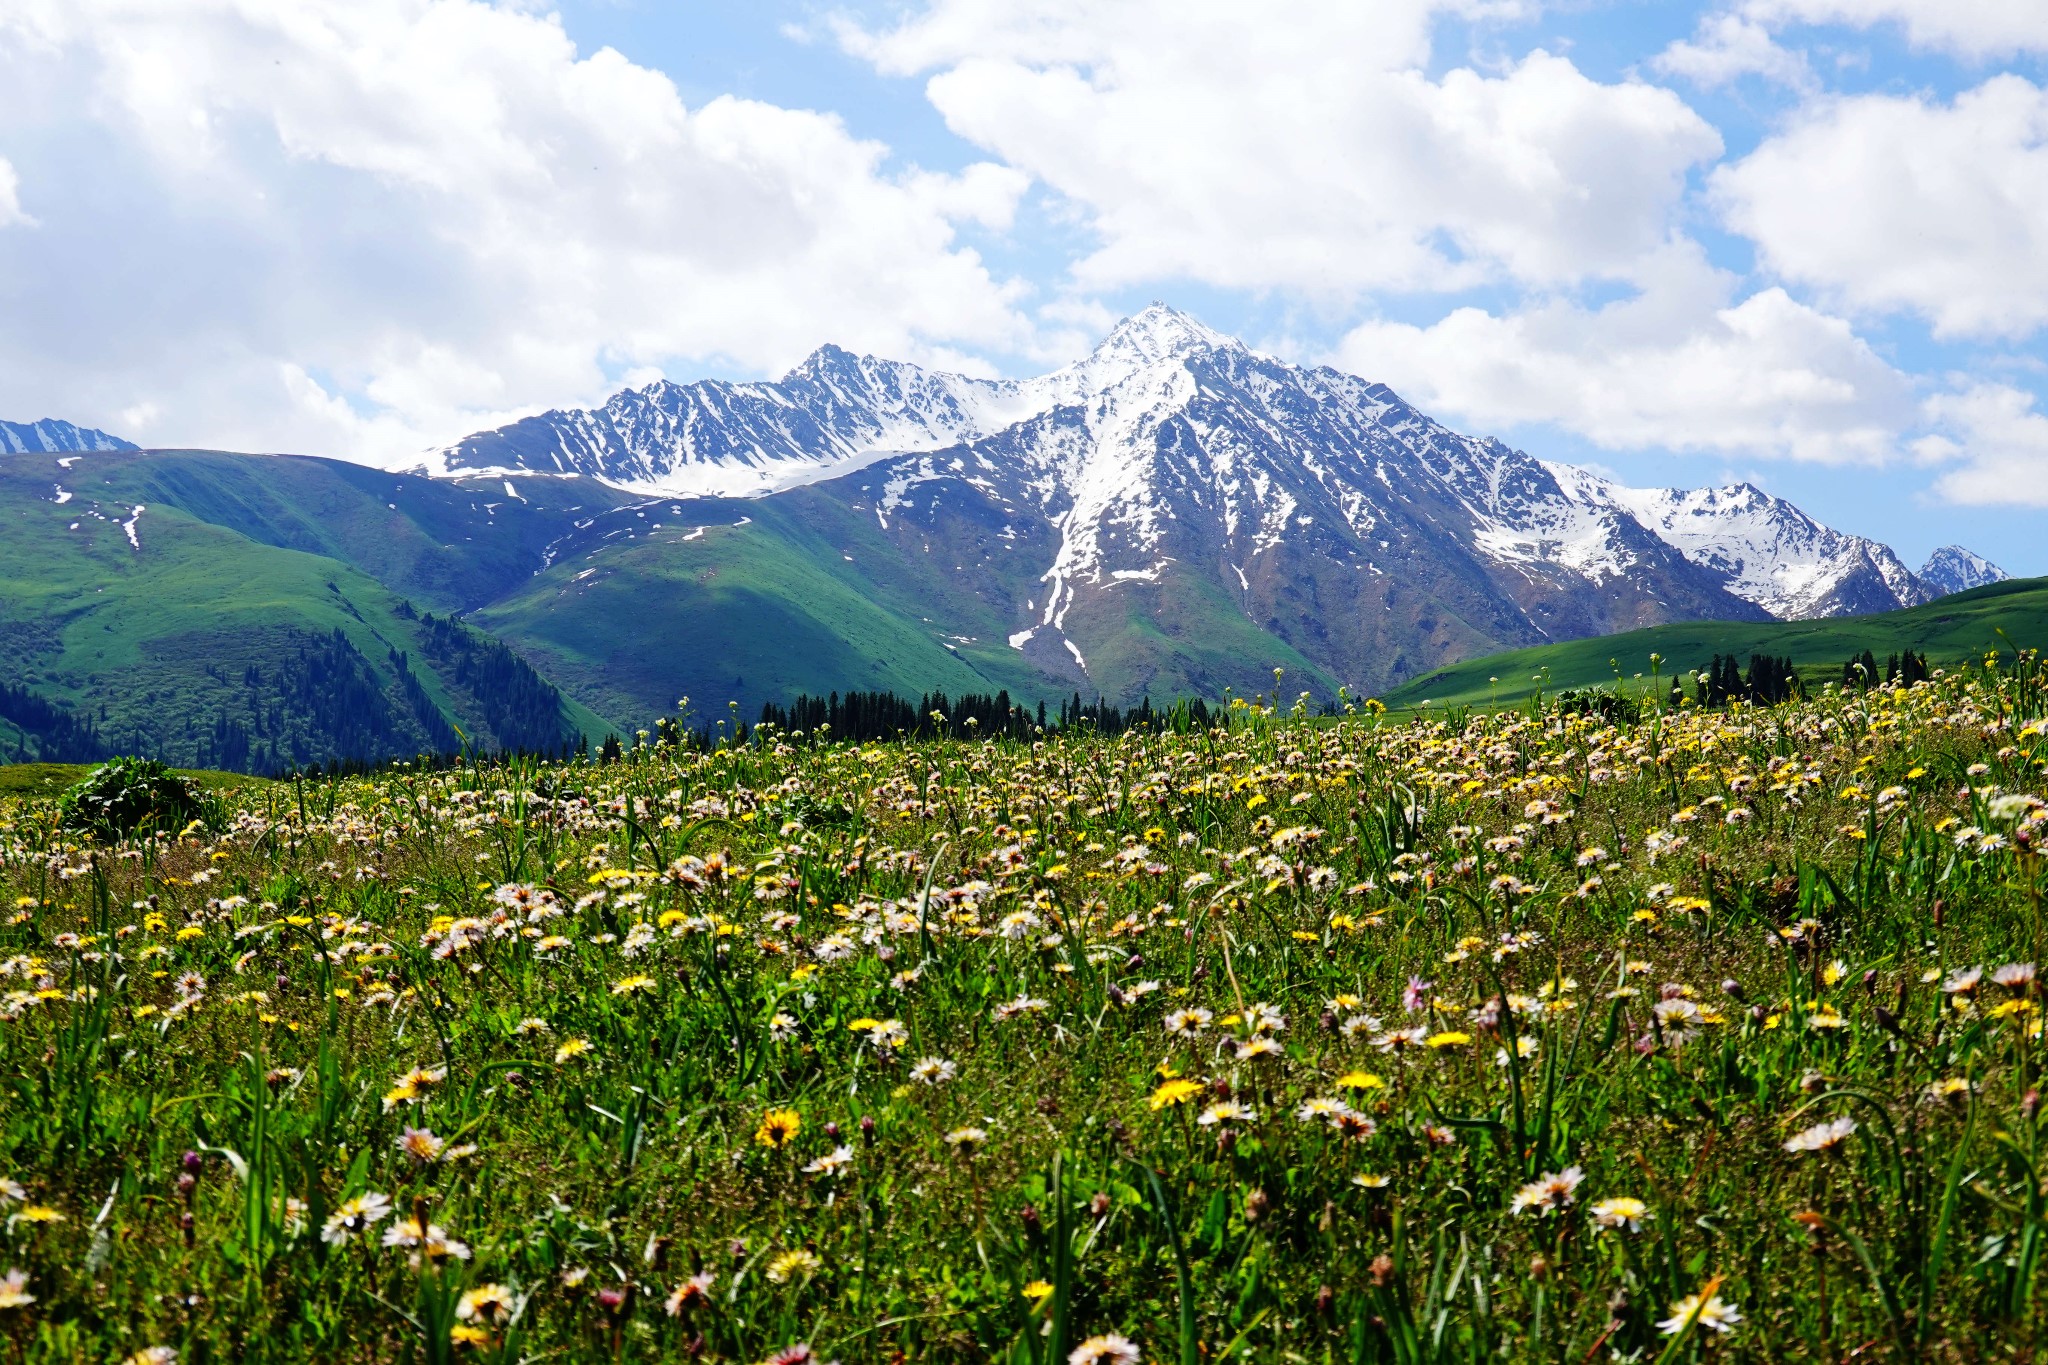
<point x="1800" y="242"/>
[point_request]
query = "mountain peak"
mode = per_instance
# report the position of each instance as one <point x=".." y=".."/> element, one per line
<point x="1955" y="569"/>
<point x="825" y="359"/>
<point x="1158" y="332"/>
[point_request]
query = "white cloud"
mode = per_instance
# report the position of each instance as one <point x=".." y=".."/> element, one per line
<point x="1681" y="366"/>
<point x="1202" y="140"/>
<point x="1892" y="202"/>
<point x="1728" y="47"/>
<point x="374" y="224"/>
<point x="11" y="214"/>
<point x="1997" y="444"/>
<point x="1969" y="28"/>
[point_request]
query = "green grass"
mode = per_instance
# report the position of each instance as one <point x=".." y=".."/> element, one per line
<point x="1957" y="629"/>
<point x="1511" y="1038"/>
<point x="52" y="779"/>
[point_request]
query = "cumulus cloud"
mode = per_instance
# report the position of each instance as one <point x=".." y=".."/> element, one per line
<point x="362" y="226"/>
<point x="1200" y="140"/>
<point x="1683" y="365"/>
<point x="1905" y="203"/>
<point x="1970" y="28"/>
<point x="1994" y="444"/>
<point x="1728" y="47"/>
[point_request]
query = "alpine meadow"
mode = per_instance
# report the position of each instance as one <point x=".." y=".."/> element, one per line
<point x="1018" y="682"/>
<point x="1656" y="1032"/>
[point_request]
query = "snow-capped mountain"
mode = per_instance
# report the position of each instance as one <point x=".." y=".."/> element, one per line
<point x="1763" y="549"/>
<point x="53" y="437"/>
<point x="1954" y="569"/>
<point x="830" y="414"/>
<point x="1174" y="490"/>
<point x="833" y="413"/>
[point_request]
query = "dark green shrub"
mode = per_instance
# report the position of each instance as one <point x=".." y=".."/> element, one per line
<point x="1612" y="707"/>
<point x="127" y="795"/>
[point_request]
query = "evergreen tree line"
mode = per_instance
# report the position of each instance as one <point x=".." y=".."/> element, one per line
<point x="522" y="709"/>
<point x="865" y="716"/>
<point x="1770" y="680"/>
<point x="1904" y="667"/>
<point x="324" y="708"/>
<point x="320" y="703"/>
<point x="48" y="731"/>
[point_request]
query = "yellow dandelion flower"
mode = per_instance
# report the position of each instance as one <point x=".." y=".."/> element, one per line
<point x="792" y="1265"/>
<point x="779" y="1128"/>
<point x="1175" y="1092"/>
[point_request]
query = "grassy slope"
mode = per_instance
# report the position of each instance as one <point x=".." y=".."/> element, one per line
<point x="447" y="546"/>
<point x="1187" y="638"/>
<point x="99" y="624"/>
<point x="1950" y="630"/>
<point x="746" y="612"/>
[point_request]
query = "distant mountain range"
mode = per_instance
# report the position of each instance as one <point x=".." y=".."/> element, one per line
<point x="51" y="437"/>
<point x="837" y="413"/>
<point x="1174" y="506"/>
<point x="1173" y="514"/>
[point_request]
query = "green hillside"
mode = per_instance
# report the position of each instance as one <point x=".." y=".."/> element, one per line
<point x="190" y="641"/>
<point x="448" y="546"/>
<point x="1951" y="630"/>
<point x="746" y="601"/>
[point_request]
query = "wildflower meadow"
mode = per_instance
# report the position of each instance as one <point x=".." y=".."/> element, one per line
<point x="1569" y="1033"/>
